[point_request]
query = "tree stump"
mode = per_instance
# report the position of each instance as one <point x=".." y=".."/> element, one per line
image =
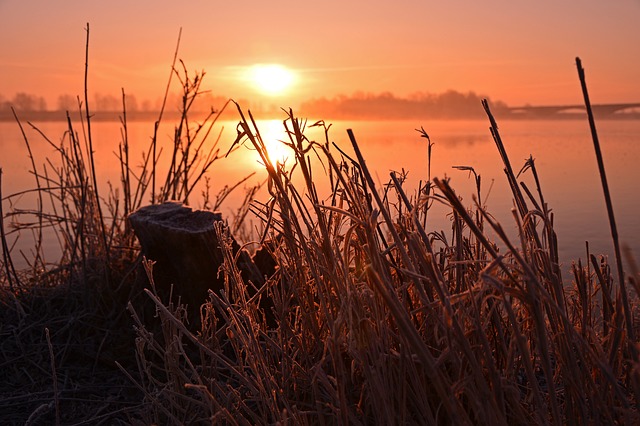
<point x="184" y="245"/>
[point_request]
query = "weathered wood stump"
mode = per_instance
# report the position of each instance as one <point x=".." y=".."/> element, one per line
<point x="184" y="245"/>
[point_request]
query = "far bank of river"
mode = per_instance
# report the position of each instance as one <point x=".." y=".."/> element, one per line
<point x="172" y="114"/>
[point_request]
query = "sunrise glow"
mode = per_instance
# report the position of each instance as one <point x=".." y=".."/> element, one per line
<point x="271" y="79"/>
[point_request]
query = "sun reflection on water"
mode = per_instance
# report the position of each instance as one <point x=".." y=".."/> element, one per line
<point x="275" y="139"/>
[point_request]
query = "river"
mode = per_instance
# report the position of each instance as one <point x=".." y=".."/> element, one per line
<point x="562" y="149"/>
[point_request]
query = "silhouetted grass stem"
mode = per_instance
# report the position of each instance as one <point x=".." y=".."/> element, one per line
<point x="609" y="204"/>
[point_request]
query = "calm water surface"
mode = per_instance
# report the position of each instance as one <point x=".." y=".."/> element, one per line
<point x="563" y="152"/>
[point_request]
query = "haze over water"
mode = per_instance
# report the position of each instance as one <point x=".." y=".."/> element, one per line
<point x="562" y="150"/>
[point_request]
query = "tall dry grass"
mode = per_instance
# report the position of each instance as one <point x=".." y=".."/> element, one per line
<point x="381" y="320"/>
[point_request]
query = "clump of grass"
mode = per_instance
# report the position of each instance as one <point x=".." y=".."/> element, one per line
<point x="380" y="320"/>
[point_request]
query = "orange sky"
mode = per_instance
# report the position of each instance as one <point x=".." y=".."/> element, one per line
<point x="518" y="52"/>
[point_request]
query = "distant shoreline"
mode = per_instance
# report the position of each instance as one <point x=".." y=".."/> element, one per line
<point x="61" y="116"/>
<point x="137" y="116"/>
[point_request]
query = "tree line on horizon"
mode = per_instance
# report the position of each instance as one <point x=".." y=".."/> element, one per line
<point x="355" y="106"/>
<point x="28" y="102"/>
<point x="449" y="104"/>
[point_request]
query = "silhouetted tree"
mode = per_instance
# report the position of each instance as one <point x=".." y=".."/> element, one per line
<point x="26" y="102"/>
<point x="146" y="105"/>
<point x="67" y="103"/>
<point x="132" y="103"/>
<point x="450" y="104"/>
<point x="106" y="103"/>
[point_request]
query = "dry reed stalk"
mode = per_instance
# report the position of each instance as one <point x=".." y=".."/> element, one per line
<point x="92" y="166"/>
<point x="609" y="204"/>
<point x="156" y="126"/>
<point x="7" y="262"/>
<point x="628" y="314"/>
<point x="54" y="376"/>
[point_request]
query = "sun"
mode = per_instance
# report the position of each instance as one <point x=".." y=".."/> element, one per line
<point x="271" y="79"/>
